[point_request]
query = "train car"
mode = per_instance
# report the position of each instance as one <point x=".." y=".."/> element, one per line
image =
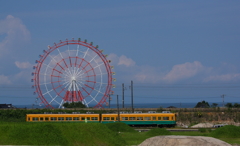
<point x="91" y="118"/>
<point x="159" y="119"/>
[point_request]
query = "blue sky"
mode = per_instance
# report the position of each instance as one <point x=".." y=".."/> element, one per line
<point x="174" y="51"/>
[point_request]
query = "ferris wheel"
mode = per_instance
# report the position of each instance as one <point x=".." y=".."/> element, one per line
<point x="73" y="71"/>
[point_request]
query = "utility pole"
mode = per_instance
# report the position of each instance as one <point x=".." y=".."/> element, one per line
<point x="123" y="95"/>
<point x="118" y="110"/>
<point x="132" y="95"/>
<point x="223" y="99"/>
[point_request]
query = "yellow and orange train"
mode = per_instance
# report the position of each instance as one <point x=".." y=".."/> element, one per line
<point x="160" y="119"/>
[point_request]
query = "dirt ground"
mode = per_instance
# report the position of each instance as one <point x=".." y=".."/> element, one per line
<point x="183" y="141"/>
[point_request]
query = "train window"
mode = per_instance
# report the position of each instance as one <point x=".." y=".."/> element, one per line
<point x="83" y="118"/>
<point x="139" y="118"/>
<point x="159" y="118"/>
<point x="53" y="118"/>
<point x="132" y="118"/>
<point x="35" y="119"/>
<point x="106" y="118"/>
<point x="46" y="119"/>
<point x="154" y="118"/>
<point x="69" y="118"/>
<point x="28" y="119"/>
<point x="41" y="118"/>
<point x="112" y="118"/>
<point x="147" y="118"/>
<point x="76" y="118"/>
<point x="94" y="118"/>
<point x="60" y="118"/>
<point x="88" y="118"/>
<point x="124" y="118"/>
<point x="165" y="118"/>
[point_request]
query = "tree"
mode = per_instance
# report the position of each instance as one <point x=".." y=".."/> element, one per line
<point x="229" y="105"/>
<point x="214" y="105"/>
<point x="236" y="105"/>
<point x="202" y="104"/>
<point x="74" y="105"/>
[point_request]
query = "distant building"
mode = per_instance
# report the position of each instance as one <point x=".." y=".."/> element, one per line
<point x="6" y="106"/>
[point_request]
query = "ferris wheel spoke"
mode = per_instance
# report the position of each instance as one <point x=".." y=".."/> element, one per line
<point x="93" y="58"/>
<point x="53" y="99"/>
<point x="85" y="91"/>
<point x="77" y="50"/>
<point x="57" y="71"/>
<point x="99" y="65"/>
<point x="52" y="58"/>
<point x="85" y="53"/>
<point x="60" y="53"/>
<point x="57" y="87"/>
<point x="47" y="92"/>
<point x="89" y="86"/>
<point x="93" y="99"/>
<point x="47" y="65"/>
<point x="60" y="105"/>
<point x="79" y="84"/>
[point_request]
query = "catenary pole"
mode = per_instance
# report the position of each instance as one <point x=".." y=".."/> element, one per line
<point x="132" y="96"/>
<point x="123" y="95"/>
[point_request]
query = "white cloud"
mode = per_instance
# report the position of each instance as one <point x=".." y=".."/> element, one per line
<point x="123" y="60"/>
<point x="189" y="70"/>
<point x="226" y="77"/>
<point x="23" y="65"/>
<point x="183" y="71"/>
<point x="15" y="31"/>
<point x="4" y="80"/>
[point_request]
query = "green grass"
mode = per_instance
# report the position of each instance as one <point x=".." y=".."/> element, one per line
<point x="91" y="134"/>
<point x="120" y="127"/>
<point x="74" y="134"/>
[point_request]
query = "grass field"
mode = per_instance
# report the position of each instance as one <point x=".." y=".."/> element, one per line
<point x="74" y="134"/>
<point x="95" y="134"/>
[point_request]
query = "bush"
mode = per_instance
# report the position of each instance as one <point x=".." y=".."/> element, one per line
<point x="158" y="131"/>
<point x="229" y="131"/>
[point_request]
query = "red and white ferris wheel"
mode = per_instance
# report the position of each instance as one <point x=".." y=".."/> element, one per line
<point x="73" y="71"/>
